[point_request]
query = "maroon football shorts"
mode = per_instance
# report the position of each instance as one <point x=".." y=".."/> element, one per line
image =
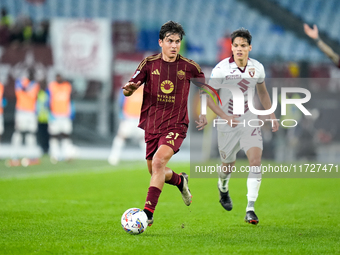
<point x="173" y="139"/>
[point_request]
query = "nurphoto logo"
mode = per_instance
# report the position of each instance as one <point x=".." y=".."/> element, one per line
<point x="239" y="102"/>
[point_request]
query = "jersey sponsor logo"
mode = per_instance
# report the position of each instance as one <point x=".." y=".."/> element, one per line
<point x="181" y="74"/>
<point x="234" y="76"/>
<point x="251" y="71"/>
<point x="156" y="72"/>
<point x="166" y="98"/>
<point x="135" y="75"/>
<point x="167" y="86"/>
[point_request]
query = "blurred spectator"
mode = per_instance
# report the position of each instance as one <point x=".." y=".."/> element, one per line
<point x="16" y="35"/>
<point x="41" y="33"/>
<point x="131" y="107"/>
<point x="24" y="31"/>
<point x="5" y="18"/>
<point x="314" y="34"/>
<point x="43" y="114"/>
<point x="293" y="70"/>
<point x="224" y="46"/>
<point x="27" y="30"/>
<point x="17" y="30"/>
<point x="60" y="120"/>
<point x="26" y="91"/>
<point x="5" y="24"/>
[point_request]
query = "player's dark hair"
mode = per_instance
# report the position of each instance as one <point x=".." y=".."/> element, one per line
<point x="170" y="28"/>
<point x="241" y="32"/>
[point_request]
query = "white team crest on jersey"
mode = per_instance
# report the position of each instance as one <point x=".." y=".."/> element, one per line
<point x="223" y="154"/>
<point x="251" y="72"/>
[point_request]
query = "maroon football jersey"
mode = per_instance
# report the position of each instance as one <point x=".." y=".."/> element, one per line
<point x="166" y="91"/>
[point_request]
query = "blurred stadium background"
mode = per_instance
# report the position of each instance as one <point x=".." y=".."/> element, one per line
<point x="104" y="40"/>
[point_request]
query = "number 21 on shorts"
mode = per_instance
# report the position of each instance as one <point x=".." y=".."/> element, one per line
<point x="171" y="134"/>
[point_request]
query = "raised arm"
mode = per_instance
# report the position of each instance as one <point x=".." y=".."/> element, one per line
<point x="314" y="34"/>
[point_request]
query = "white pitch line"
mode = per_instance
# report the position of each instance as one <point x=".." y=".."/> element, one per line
<point x="76" y="171"/>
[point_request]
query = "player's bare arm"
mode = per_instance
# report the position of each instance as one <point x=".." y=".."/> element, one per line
<point x="266" y="103"/>
<point x="232" y="121"/>
<point x="328" y="51"/>
<point x="130" y="87"/>
<point x="314" y="34"/>
<point x="202" y="122"/>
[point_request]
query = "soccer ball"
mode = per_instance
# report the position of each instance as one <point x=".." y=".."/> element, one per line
<point x="134" y="221"/>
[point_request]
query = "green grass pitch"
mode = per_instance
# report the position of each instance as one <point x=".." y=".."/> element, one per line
<point x="75" y="208"/>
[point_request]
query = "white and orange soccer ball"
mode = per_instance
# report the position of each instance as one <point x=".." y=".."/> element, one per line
<point x="134" y="221"/>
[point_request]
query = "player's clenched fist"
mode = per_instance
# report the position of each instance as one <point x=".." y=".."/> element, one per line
<point x="130" y="87"/>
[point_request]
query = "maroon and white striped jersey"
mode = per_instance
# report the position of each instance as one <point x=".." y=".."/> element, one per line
<point x="227" y="73"/>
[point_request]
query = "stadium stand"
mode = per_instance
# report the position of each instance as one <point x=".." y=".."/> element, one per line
<point x="326" y="13"/>
<point x="202" y="20"/>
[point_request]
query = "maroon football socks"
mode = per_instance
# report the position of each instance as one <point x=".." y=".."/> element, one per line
<point x="151" y="201"/>
<point x="176" y="180"/>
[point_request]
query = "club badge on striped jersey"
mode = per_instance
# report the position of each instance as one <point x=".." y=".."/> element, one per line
<point x="181" y="74"/>
<point x="251" y="72"/>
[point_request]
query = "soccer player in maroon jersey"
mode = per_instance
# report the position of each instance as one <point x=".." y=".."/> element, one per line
<point x="164" y="113"/>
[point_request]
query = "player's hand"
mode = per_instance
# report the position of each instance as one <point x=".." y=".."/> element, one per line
<point x="275" y="125"/>
<point x="202" y="122"/>
<point x="232" y="121"/>
<point x="311" y="32"/>
<point x="130" y="87"/>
